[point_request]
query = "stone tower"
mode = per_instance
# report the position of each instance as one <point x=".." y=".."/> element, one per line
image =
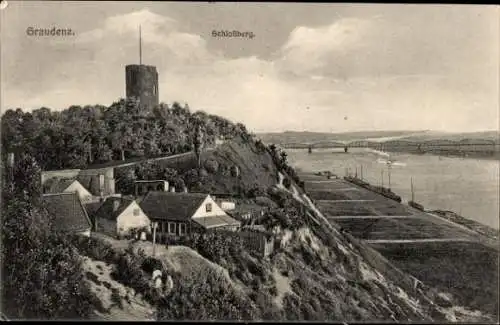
<point x="141" y="81"/>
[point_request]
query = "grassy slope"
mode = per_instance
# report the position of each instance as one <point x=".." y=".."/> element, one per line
<point x="318" y="275"/>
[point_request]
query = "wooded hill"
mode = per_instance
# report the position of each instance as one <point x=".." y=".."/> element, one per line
<point x="80" y="136"/>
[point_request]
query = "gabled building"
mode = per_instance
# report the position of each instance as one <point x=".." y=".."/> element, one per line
<point x="68" y="212"/>
<point x="179" y="214"/>
<point x="57" y="185"/>
<point x="119" y="217"/>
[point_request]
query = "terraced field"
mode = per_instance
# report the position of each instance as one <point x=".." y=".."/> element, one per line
<point x="398" y="228"/>
<point x="435" y="250"/>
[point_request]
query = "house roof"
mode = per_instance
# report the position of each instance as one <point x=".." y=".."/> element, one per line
<point x="92" y="208"/>
<point x="58" y="185"/>
<point x="171" y="206"/>
<point x="68" y="211"/>
<point x="107" y="210"/>
<point x="216" y="221"/>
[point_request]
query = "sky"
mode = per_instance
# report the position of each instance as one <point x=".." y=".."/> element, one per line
<point x="317" y="67"/>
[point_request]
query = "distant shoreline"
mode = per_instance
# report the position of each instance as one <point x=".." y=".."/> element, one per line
<point x="496" y="156"/>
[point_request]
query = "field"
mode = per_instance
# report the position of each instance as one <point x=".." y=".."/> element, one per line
<point x="362" y="208"/>
<point x="400" y="228"/>
<point x="468" y="271"/>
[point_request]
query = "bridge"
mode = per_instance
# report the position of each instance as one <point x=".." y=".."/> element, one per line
<point x="466" y="145"/>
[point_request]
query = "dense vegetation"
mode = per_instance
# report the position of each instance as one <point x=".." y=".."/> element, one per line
<point x="42" y="274"/>
<point x="79" y="136"/>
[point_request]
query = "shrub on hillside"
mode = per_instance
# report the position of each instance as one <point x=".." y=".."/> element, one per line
<point x="206" y="296"/>
<point x="211" y="165"/>
<point x="216" y="245"/>
<point x="287" y="183"/>
<point x="42" y="274"/>
<point x="255" y="191"/>
<point x="203" y="173"/>
<point x="95" y="248"/>
<point x="128" y="270"/>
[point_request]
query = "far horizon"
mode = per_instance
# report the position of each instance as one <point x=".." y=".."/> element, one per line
<point x="381" y="131"/>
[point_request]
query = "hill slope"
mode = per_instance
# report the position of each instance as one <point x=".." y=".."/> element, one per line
<point x="315" y="272"/>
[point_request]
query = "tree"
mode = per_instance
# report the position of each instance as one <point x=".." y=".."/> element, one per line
<point x="41" y="270"/>
<point x="198" y="142"/>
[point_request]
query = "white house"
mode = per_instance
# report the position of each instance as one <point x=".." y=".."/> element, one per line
<point x="68" y="186"/>
<point x="179" y="214"/>
<point x="120" y="216"/>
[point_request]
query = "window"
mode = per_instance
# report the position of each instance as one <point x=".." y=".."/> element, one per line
<point x="182" y="229"/>
<point x="171" y="227"/>
<point x="208" y="207"/>
<point x="136" y="212"/>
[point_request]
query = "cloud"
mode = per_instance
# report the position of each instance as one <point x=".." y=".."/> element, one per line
<point x="308" y="49"/>
<point x="380" y="72"/>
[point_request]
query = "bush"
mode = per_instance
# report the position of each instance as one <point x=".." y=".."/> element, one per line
<point x="255" y="191"/>
<point x="116" y="298"/>
<point x="95" y="248"/>
<point x="203" y="173"/>
<point x="42" y="274"/>
<point x="211" y="165"/>
<point x="92" y="277"/>
<point x="207" y="296"/>
<point x="287" y="183"/>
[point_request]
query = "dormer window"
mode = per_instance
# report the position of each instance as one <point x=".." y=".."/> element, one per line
<point x="208" y="207"/>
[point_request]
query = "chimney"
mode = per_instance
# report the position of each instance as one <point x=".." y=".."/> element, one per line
<point x="185" y="190"/>
<point x="116" y="205"/>
<point x="172" y="189"/>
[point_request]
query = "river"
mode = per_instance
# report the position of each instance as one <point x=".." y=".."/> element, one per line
<point x="469" y="187"/>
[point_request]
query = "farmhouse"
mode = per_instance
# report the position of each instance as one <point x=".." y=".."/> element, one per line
<point x="179" y="214"/>
<point x="57" y="185"/>
<point x="120" y="217"/>
<point x="68" y="213"/>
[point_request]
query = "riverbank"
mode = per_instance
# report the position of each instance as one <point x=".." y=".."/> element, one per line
<point x="471" y="224"/>
<point x="437" y="251"/>
<point x="481" y="229"/>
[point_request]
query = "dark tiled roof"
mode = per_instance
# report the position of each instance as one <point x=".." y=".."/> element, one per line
<point x="68" y="211"/>
<point x="107" y="211"/>
<point x="92" y="208"/>
<point x="216" y="221"/>
<point x="171" y="206"/>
